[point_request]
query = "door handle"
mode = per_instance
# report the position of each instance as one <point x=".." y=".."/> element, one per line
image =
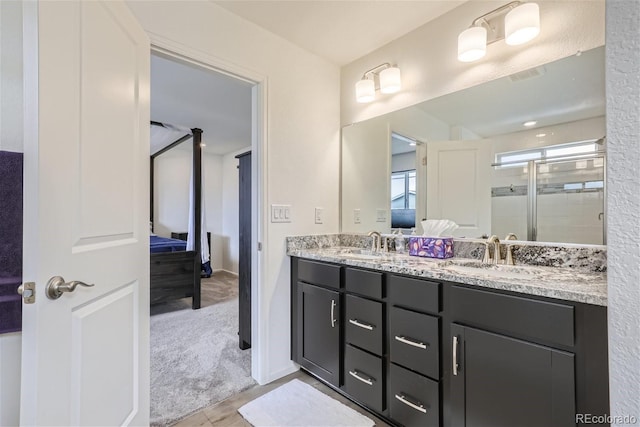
<point x="333" y="319"/>
<point x="455" y="355"/>
<point x="56" y="286"/>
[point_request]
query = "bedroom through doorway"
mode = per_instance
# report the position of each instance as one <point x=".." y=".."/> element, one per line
<point x="196" y="355"/>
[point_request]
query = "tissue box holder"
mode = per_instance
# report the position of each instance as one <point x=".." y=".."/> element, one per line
<point x="431" y="247"/>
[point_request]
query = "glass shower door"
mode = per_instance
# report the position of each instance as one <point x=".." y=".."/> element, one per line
<point x="569" y="205"/>
<point x="509" y="204"/>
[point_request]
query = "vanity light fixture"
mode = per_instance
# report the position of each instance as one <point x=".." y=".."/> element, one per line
<point x="388" y="78"/>
<point x="515" y="23"/>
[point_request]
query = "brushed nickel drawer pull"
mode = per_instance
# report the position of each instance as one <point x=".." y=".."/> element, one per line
<point x="409" y="341"/>
<point x="419" y="407"/>
<point x="361" y="325"/>
<point x="368" y="381"/>
<point x="333" y="318"/>
<point x="455" y="355"/>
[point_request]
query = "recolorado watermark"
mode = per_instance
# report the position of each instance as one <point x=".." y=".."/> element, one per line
<point x="606" y="419"/>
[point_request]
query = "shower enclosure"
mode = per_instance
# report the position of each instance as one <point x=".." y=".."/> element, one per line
<point x="555" y="194"/>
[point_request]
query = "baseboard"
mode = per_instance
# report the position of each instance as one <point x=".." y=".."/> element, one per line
<point x="222" y="270"/>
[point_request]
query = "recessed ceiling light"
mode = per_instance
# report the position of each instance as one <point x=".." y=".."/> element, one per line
<point x="530" y="123"/>
<point x="541" y="135"/>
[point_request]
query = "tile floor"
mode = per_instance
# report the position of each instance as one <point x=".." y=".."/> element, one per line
<point x="225" y="414"/>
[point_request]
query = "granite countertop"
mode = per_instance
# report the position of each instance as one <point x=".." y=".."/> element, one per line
<point x="553" y="282"/>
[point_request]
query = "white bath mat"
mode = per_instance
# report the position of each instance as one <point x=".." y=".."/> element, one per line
<point x="296" y="404"/>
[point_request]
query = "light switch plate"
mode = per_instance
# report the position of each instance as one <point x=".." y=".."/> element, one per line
<point x="381" y="215"/>
<point x="280" y="213"/>
<point x="356" y="216"/>
<point x="319" y="215"/>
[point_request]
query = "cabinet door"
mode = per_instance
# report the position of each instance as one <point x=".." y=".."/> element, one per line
<point x="319" y="331"/>
<point x="502" y="381"/>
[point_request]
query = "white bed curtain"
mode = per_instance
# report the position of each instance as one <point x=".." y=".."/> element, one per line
<point x="204" y="244"/>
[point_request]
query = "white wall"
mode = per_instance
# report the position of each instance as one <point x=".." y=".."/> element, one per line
<point x="302" y="138"/>
<point x="172" y="172"/>
<point x="366" y="151"/>
<point x="623" y="184"/>
<point x="427" y="56"/>
<point x="230" y="211"/>
<point x="11" y="138"/>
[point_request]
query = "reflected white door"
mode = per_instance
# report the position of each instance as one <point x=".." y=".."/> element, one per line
<point x="459" y="184"/>
<point x="85" y="356"/>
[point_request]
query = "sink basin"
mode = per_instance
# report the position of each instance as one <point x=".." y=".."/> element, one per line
<point x="502" y="270"/>
<point x="362" y="254"/>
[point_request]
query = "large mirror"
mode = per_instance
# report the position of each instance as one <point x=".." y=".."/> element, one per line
<point x="523" y="154"/>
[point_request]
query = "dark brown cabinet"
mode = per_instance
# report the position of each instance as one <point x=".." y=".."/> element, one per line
<point x="505" y="382"/>
<point x="319" y="340"/>
<point x="244" y="250"/>
<point x="423" y="353"/>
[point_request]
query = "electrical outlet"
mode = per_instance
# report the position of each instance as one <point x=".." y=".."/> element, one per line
<point x="381" y="215"/>
<point x="356" y="216"/>
<point x="319" y="215"/>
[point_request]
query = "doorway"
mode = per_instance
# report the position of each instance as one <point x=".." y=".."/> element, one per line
<point x="196" y="359"/>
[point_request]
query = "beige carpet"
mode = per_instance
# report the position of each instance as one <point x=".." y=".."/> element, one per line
<point x="195" y="360"/>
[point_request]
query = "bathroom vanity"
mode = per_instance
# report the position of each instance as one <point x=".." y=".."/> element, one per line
<point x="424" y="342"/>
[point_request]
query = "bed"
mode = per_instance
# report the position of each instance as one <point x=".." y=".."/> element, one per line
<point x="175" y="271"/>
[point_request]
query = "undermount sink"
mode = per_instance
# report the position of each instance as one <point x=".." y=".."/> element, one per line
<point x="496" y="269"/>
<point x="363" y="254"/>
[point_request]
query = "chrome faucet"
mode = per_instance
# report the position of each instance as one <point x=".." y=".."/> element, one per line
<point x="487" y="259"/>
<point x="375" y="241"/>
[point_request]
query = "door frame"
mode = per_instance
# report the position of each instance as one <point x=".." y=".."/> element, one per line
<point x="259" y="91"/>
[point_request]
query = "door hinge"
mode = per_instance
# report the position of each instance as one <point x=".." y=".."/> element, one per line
<point x="259" y="246"/>
<point x="28" y="292"/>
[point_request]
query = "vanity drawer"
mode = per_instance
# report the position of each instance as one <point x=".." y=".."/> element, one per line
<point x="414" y="341"/>
<point x="363" y="323"/>
<point x="363" y="377"/>
<point x="363" y="282"/>
<point x="521" y="317"/>
<point x="318" y="273"/>
<point x="422" y="295"/>
<point x="413" y="399"/>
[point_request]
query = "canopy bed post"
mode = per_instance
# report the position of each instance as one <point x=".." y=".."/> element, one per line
<point x="197" y="199"/>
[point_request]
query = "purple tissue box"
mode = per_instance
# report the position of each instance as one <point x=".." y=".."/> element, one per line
<point x="431" y="247"/>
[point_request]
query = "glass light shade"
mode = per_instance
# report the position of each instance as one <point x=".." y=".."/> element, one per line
<point x="522" y="24"/>
<point x="390" y="81"/>
<point x="365" y="91"/>
<point x="472" y="44"/>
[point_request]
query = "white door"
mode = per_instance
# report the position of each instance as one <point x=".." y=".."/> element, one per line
<point x="85" y="356"/>
<point x="459" y="185"/>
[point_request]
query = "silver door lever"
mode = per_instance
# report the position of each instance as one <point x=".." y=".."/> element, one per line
<point x="56" y="286"/>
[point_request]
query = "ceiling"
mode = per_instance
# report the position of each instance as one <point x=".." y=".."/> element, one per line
<point x="192" y="97"/>
<point x="563" y="91"/>
<point x="339" y="31"/>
